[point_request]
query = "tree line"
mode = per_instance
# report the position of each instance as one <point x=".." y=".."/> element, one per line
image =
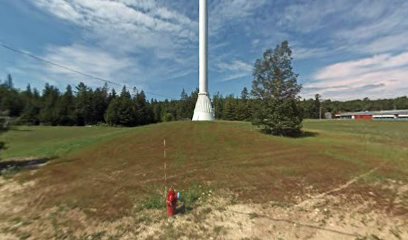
<point x="77" y="106"/>
<point x="273" y="103"/>
<point x="84" y="106"/>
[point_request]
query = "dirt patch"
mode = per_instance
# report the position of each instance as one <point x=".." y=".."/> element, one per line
<point x="314" y="216"/>
<point x="11" y="206"/>
<point x="327" y="217"/>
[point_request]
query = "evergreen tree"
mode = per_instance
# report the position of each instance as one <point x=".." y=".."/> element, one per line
<point x="182" y="109"/>
<point x="66" y="108"/>
<point x="100" y="103"/>
<point x="121" y="111"/>
<point x="218" y="106"/>
<point x="144" y="113"/>
<point x="243" y="106"/>
<point x="9" y="82"/>
<point x="48" y="114"/>
<point x="32" y="108"/>
<point x="230" y="109"/>
<point x="276" y="90"/>
<point x="83" y="105"/>
<point x="11" y="102"/>
<point x="245" y="94"/>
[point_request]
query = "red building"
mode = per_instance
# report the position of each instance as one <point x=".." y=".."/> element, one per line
<point x="375" y="115"/>
<point x="363" y="117"/>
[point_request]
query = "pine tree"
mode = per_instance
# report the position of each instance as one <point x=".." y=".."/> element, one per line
<point x="276" y="90"/>
<point x="243" y="107"/>
<point x="9" y="82"/>
<point x="100" y="103"/>
<point x="66" y="108"/>
<point x="30" y="114"/>
<point x="121" y="111"/>
<point x="50" y="97"/>
<point x="218" y="106"/>
<point x="11" y="102"/>
<point x="230" y="109"/>
<point x="83" y="105"/>
<point x="245" y="94"/>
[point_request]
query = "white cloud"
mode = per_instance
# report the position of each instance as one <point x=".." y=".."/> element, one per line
<point x="368" y="27"/>
<point x="392" y="42"/>
<point x="135" y="42"/>
<point x="300" y="53"/>
<point x="379" y="76"/>
<point x="124" y="24"/>
<point x="234" y="70"/>
<point x="223" y="12"/>
<point x="89" y="60"/>
<point x="103" y="64"/>
<point x="310" y="16"/>
<point x="61" y="9"/>
<point x="236" y="65"/>
<point x="159" y="39"/>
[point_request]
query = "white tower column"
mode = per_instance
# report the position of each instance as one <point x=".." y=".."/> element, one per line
<point x="203" y="110"/>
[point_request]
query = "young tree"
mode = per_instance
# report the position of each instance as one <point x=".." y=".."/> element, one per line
<point x="276" y="90"/>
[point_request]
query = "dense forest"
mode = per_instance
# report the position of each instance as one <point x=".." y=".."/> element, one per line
<point x="81" y="105"/>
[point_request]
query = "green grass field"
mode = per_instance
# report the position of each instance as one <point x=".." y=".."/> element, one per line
<point x="102" y="175"/>
<point x="44" y="142"/>
<point x="111" y="168"/>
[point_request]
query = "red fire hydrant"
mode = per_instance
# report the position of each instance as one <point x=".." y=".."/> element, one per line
<point x="171" y="202"/>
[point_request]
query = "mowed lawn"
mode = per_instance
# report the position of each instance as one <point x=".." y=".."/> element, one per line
<point x="47" y="142"/>
<point x="108" y="170"/>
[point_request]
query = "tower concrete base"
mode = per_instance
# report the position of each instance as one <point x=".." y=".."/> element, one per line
<point x="203" y="110"/>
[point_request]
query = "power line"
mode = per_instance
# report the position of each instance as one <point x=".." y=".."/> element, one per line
<point x="56" y="64"/>
<point x="68" y="68"/>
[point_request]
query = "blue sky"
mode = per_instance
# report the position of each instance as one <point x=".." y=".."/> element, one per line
<point x="342" y="49"/>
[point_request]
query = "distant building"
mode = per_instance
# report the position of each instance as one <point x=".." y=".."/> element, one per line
<point x="375" y="115"/>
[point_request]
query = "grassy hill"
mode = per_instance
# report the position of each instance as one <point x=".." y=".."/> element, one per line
<point x="108" y="172"/>
<point x="229" y="155"/>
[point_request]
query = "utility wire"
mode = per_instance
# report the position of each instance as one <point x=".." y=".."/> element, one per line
<point x="68" y="68"/>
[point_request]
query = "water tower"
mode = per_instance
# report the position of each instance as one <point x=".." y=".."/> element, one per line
<point x="203" y="110"/>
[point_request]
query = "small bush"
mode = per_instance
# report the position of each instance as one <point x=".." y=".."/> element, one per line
<point x="168" y="117"/>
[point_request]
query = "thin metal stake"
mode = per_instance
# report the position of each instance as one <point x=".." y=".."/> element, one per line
<point x="165" y="167"/>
